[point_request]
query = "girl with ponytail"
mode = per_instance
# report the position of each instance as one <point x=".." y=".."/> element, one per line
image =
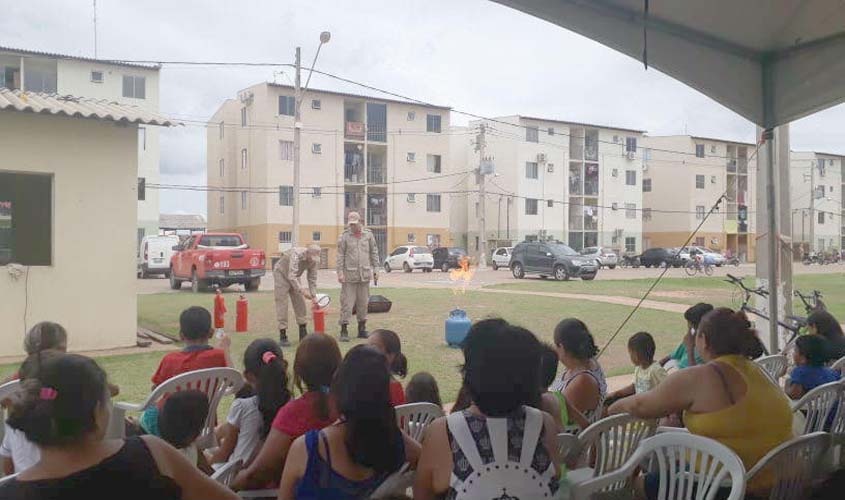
<point x="583" y="383"/>
<point x="387" y="341"/>
<point x="265" y="392"/>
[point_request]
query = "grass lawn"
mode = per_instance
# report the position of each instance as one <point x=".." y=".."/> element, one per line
<point x="418" y="316"/>
<point x="690" y="290"/>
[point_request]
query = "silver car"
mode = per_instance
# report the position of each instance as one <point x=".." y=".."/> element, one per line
<point x="603" y="257"/>
<point x="501" y="257"/>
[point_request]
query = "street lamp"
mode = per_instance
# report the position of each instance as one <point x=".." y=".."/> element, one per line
<point x="325" y="36"/>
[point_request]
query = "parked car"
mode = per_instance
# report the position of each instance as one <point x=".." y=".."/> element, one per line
<point x="501" y="257"/>
<point x="603" y="257"/>
<point x="658" y="257"/>
<point x="221" y="259"/>
<point x="716" y="258"/>
<point x="681" y="256"/>
<point x="448" y="258"/>
<point x="408" y="258"/>
<point x="154" y="253"/>
<point x="550" y="259"/>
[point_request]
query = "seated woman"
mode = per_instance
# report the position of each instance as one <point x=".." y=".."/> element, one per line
<point x="352" y="457"/>
<point x="583" y="382"/>
<point x="729" y="398"/>
<point x="65" y="413"/>
<point x="500" y="446"/>
<point x="823" y="323"/>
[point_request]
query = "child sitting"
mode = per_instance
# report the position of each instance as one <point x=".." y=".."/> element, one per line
<point x="387" y="341"/>
<point x="810" y="354"/>
<point x="422" y="388"/>
<point x="647" y="372"/>
<point x="552" y="402"/>
<point x="181" y="421"/>
<point x="195" y="331"/>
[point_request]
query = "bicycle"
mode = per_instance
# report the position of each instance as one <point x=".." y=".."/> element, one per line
<point x="695" y="266"/>
<point x="796" y="325"/>
<point x="630" y="261"/>
<point x="812" y="302"/>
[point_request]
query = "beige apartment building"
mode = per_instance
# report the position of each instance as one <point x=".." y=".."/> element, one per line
<point x="386" y="159"/>
<point x="816" y="183"/>
<point x="683" y="176"/>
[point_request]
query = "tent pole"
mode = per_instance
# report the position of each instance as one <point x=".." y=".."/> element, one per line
<point x="772" y="240"/>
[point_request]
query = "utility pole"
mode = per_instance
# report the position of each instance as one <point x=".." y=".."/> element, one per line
<point x="297" y="146"/>
<point x="812" y="206"/>
<point x="480" y="146"/>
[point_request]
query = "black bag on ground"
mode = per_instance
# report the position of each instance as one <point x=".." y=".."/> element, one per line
<point x="377" y="304"/>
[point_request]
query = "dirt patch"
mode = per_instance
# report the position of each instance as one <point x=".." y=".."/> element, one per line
<point x="677" y="294"/>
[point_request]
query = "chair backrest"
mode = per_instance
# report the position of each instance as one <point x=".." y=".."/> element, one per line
<point x="7" y="478"/>
<point x="819" y="407"/>
<point x="792" y="465"/>
<point x="775" y="365"/>
<point x="608" y="443"/>
<point x="396" y="483"/>
<point x="568" y="446"/>
<point x="413" y="418"/>
<point x="227" y="472"/>
<point x="214" y="382"/>
<point x="7" y="390"/>
<point x="839" y="365"/>
<point x="689" y="467"/>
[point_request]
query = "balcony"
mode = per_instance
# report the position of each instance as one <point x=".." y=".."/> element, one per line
<point x="376" y="164"/>
<point x="377" y="210"/>
<point x="354" y="131"/>
<point x="353" y="164"/>
<point x="376" y="122"/>
<point x="376" y="218"/>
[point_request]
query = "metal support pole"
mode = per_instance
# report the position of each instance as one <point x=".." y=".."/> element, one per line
<point x="297" y="146"/>
<point x="773" y="240"/>
<point x="813" y="206"/>
<point x="482" y="193"/>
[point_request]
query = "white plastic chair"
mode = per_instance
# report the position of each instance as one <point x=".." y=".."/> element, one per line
<point x="7" y="478"/>
<point x="227" y="472"/>
<point x="683" y="462"/>
<point x="7" y="391"/>
<point x="214" y="382"/>
<point x="839" y="365"/>
<point x="568" y="446"/>
<point x="413" y="418"/>
<point x="775" y="365"/>
<point x="818" y="405"/>
<point x="605" y="445"/>
<point x="792" y="465"/>
<point x="396" y="483"/>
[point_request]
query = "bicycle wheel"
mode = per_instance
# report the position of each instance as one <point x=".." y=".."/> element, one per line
<point x="708" y="270"/>
<point x="691" y="268"/>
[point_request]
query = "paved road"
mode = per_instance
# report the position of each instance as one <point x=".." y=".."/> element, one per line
<point x="436" y="279"/>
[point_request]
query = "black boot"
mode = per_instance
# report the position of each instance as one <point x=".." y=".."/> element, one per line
<point x="283" y="338"/>
<point x="362" y="330"/>
<point x="344" y="333"/>
<point x="303" y="331"/>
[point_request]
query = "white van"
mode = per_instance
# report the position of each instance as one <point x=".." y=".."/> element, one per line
<point x="154" y="254"/>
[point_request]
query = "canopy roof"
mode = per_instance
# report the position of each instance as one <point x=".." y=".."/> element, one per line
<point x="771" y="61"/>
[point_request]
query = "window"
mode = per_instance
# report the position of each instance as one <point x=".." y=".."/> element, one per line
<point x="317" y="192"/>
<point x="142" y="138"/>
<point x="243" y="200"/>
<point x="551" y="131"/>
<point x="134" y="87"/>
<point x="646" y="154"/>
<point x="26" y="209"/>
<point x="630" y="211"/>
<point x="285" y="236"/>
<point x="142" y="188"/>
<point x="699" y="241"/>
<point x="646" y="185"/>
<point x="433" y="163"/>
<point x="477" y="212"/>
<point x="630" y="244"/>
<point x="630" y="144"/>
<point x="286" y="105"/>
<point x="243" y="117"/>
<point x="316" y="104"/>
<point x="646" y="214"/>
<point x="412" y="115"/>
<point x="532" y="134"/>
<point x="316" y="236"/>
<point x="97" y="76"/>
<point x="432" y="240"/>
<point x="532" y="170"/>
<point x="243" y="159"/>
<point x="286" y="150"/>
<point x="286" y="196"/>
<point x="699" y="182"/>
<point x="821" y="217"/>
<point x="222" y="129"/>
<point x="432" y="123"/>
<point x="317" y="149"/>
<point x="699" y="150"/>
<point x="222" y="166"/>
<point x="412" y="157"/>
<point x="412" y="198"/>
<point x="630" y="177"/>
<point x="530" y="206"/>
<point x="550" y="203"/>
<point x="432" y="203"/>
<point x="412" y="237"/>
<point x="222" y="204"/>
<point x="699" y="212"/>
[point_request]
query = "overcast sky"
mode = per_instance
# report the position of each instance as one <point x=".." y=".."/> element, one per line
<point x="470" y="54"/>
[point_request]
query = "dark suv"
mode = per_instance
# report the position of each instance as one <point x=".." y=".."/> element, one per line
<point x="448" y="258"/>
<point x="658" y="257"/>
<point x="550" y="259"/>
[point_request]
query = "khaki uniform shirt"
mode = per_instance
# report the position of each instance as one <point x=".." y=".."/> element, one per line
<point x="357" y="256"/>
<point x="292" y="265"/>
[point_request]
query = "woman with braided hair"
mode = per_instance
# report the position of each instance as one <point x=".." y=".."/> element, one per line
<point x="583" y="382"/>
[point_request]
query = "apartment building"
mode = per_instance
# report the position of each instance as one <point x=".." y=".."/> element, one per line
<point x="683" y="176"/>
<point x="385" y="159"/>
<point x="816" y="183"/>
<point x="133" y="84"/>
<point x="573" y="182"/>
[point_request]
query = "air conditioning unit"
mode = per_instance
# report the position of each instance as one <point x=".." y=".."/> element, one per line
<point x="712" y="149"/>
<point x="412" y="115"/>
<point x="616" y="139"/>
<point x="614" y="206"/>
<point x="317" y="148"/>
<point x="712" y="179"/>
<point x="614" y="173"/>
<point x="541" y="157"/>
<point x="412" y="157"/>
<point x="550" y="168"/>
<point x="631" y="155"/>
<point x="246" y="97"/>
<point x="645" y="166"/>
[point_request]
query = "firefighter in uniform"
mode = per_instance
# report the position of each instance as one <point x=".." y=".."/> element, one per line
<point x="357" y="264"/>
<point x="286" y="273"/>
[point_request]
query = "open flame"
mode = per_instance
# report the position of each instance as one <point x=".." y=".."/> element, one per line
<point x="461" y="276"/>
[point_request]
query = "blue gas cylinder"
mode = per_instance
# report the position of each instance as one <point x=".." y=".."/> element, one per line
<point x="457" y="327"/>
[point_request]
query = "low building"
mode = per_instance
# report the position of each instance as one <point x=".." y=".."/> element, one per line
<point x="68" y="210"/>
<point x="816" y="183"/>
<point x="181" y="223"/>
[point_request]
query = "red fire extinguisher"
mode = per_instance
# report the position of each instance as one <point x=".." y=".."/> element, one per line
<point x="219" y="310"/>
<point x="319" y="308"/>
<point x="241" y="316"/>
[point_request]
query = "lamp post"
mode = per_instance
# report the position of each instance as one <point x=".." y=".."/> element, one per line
<point x="325" y="36"/>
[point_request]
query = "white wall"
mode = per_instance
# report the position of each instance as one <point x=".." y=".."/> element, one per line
<point x="90" y="286"/>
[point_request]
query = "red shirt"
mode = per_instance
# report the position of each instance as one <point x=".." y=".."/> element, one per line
<point x="187" y="360"/>
<point x="397" y="393"/>
<point x="298" y="417"/>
